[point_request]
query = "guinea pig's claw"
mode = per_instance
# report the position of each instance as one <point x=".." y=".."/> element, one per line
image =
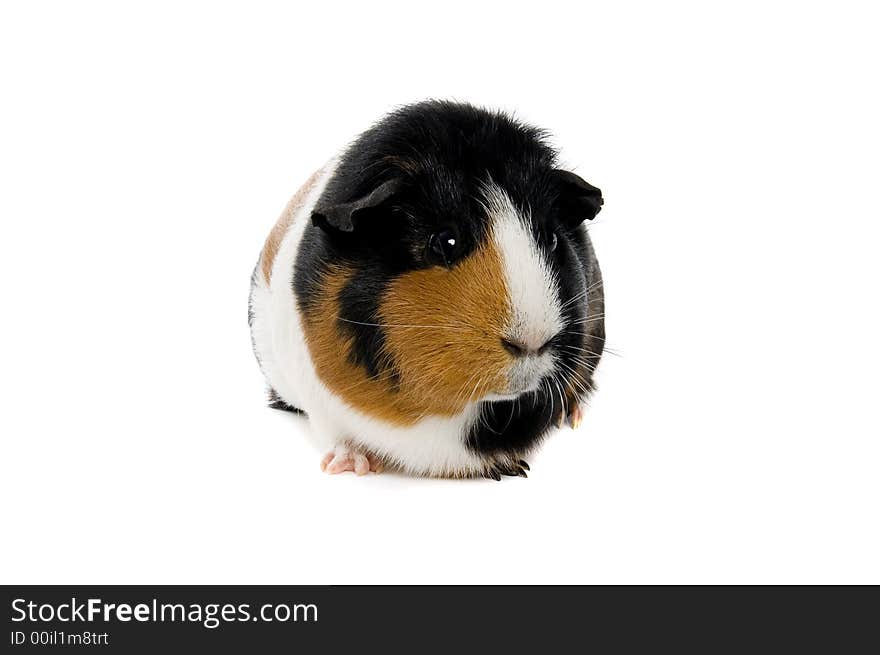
<point x="514" y="470"/>
<point x="575" y="417"/>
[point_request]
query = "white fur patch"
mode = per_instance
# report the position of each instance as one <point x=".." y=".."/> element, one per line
<point x="536" y="315"/>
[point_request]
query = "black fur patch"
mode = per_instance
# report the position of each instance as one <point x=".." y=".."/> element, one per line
<point x="275" y="402"/>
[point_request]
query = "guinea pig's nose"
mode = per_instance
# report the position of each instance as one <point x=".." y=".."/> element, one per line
<point x="521" y="349"/>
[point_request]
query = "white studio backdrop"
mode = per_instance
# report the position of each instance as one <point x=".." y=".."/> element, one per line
<point x="146" y="150"/>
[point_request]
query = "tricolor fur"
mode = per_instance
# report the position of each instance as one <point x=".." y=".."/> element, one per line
<point x="452" y="358"/>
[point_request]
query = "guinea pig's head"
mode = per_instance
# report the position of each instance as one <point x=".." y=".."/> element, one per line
<point x="452" y="240"/>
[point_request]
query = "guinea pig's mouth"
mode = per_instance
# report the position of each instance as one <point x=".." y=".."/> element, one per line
<point x="512" y="394"/>
<point x="523" y="378"/>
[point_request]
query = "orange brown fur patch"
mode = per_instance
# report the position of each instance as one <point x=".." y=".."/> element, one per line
<point x="276" y="236"/>
<point x="442" y="337"/>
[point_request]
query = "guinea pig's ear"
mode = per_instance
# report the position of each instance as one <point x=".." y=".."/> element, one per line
<point x="578" y="200"/>
<point x="344" y="217"/>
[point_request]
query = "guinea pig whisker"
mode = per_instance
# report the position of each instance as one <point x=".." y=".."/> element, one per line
<point x="561" y="394"/>
<point x="479" y="382"/>
<point x="592" y="318"/>
<point x="565" y="368"/>
<point x="592" y="287"/>
<point x="588" y="383"/>
<point x="578" y="350"/>
<point x="582" y="385"/>
<point x="581" y="349"/>
<point x="578" y="297"/>
<point x="590" y="368"/>
<point x="513" y="410"/>
<point x="577" y="381"/>
<point x="459" y="395"/>
<point x="574" y="299"/>
<point x="398" y="325"/>
<point x="586" y="335"/>
<point x="484" y="420"/>
<point x="558" y="386"/>
<point x="582" y="361"/>
<point x="464" y="387"/>
<point x="605" y="349"/>
<point x="552" y="403"/>
<point x="587" y="359"/>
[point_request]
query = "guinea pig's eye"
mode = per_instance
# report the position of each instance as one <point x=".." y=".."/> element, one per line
<point x="443" y="246"/>
<point x="554" y="241"/>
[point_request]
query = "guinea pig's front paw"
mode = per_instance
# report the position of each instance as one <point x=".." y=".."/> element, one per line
<point x="344" y="458"/>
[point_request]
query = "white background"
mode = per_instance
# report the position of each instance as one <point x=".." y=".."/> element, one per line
<point x="147" y="149"/>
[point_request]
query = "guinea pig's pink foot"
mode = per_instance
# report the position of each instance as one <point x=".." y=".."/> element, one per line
<point x="343" y="458"/>
<point x="575" y="416"/>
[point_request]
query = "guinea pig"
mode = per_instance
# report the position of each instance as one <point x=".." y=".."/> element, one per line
<point x="430" y="298"/>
